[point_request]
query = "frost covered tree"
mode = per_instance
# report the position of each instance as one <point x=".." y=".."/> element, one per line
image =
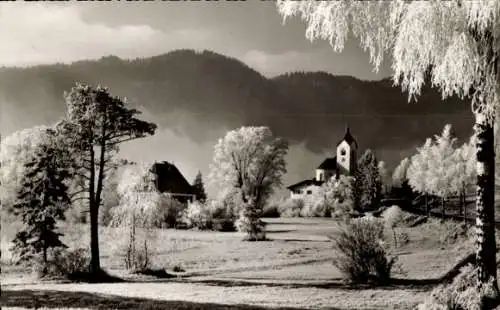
<point x="400" y="186"/>
<point x="251" y="161"/>
<point x="442" y="166"/>
<point x="399" y="176"/>
<point x="385" y="178"/>
<point x="432" y="170"/>
<point x="42" y="199"/>
<point x="339" y="196"/>
<point x="96" y="124"/>
<point x="367" y="182"/>
<point x="418" y="170"/>
<point x="141" y="207"/>
<point x="454" y="44"/>
<point x="16" y="150"/>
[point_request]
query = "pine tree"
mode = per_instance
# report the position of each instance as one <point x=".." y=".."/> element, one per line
<point x="96" y="124"/>
<point x="41" y="201"/>
<point x="199" y="188"/>
<point x="367" y="184"/>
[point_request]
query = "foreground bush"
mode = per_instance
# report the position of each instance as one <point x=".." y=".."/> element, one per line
<point x="461" y="294"/>
<point x="360" y="253"/>
<point x="64" y="263"/>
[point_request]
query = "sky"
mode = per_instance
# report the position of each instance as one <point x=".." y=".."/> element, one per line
<point x="251" y="31"/>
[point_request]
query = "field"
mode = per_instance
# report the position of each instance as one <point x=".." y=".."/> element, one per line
<point x="294" y="269"/>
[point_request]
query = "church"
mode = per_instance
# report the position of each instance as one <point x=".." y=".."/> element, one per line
<point x="344" y="163"/>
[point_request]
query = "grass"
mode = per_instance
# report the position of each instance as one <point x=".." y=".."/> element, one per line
<point x="293" y="269"/>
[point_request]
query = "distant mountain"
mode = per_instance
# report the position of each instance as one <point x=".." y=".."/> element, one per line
<point x="215" y="91"/>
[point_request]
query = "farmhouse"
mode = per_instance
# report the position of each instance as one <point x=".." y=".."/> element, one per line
<point x="171" y="181"/>
<point x="343" y="163"/>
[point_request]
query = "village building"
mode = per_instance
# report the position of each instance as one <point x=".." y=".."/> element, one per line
<point x="343" y="163"/>
<point x="170" y="181"/>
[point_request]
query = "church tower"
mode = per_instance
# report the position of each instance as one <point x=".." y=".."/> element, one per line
<point x="347" y="151"/>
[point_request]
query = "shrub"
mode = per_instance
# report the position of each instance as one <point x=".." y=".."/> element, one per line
<point x="361" y="256"/>
<point x="461" y="294"/>
<point x="445" y="232"/>
<point x="172" y="211"/>
<point x="393" y="216"/>
<point x="213" y="215"/>
<point x="199" y="216"/>
<point x="250" y="222"/>
<point x="344" y="210"/>
<point x="224" y="225"/>
<point x="137" y="257"/>
<point x="291" y="207"/>
<point x="271" y="211"/>
<point x="64" y="263"/>
<point x="271" y="208"/>
<point x="315" y="207"/>
<point x="77" y="213"/>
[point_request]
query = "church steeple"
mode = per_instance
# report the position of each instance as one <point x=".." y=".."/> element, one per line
<point x="347" y="153"/>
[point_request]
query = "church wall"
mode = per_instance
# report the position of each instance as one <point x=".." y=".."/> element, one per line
<point x="304" y="191"/>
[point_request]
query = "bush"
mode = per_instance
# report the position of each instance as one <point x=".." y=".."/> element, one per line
<point x="291" y="207"/>
<point x="344" y="210"/>
<point x="461" y="294"/>
<point x="224" y="225"/>
<point x="361" y="256"/>
<point x="445" y="232"/>
<point x="250" y="223"/>
<point x="172" y="211"/>
<point x="271" y="211"/>
<point x="64" y="263"/>
<point x="198" y="215"/>
<point x="315" y="208"/>
<point x="213" y="215"/>
<point x="77" y="213"/>
<point x="137" y="257"/>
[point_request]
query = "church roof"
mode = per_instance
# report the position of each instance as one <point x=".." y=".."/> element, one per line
<point x="329" y="163"/>
<point x="305" y="183"/>
<point x="348" y="138"/>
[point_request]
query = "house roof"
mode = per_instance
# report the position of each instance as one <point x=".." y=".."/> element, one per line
<point x="305" y="183"/>
<point x="170" y="179"/>
<point x="329" y="163"/>
<point x="348" y="138"/>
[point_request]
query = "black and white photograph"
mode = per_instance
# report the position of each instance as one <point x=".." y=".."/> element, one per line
<point x="282" y="154"/>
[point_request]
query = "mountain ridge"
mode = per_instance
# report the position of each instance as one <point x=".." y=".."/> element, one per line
<point x="212" y="91"/>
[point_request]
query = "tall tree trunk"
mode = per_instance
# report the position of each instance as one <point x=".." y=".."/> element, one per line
<point x="485" y="208"/>
<point x="95" y="265"/>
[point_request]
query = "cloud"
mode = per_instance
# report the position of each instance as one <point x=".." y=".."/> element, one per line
<point x="41" y="34"/>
